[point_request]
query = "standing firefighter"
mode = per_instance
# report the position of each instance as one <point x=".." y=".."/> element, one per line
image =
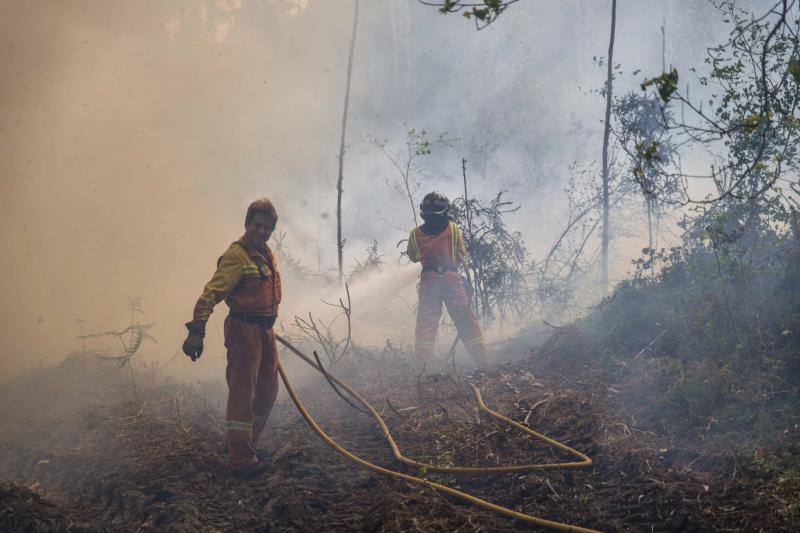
<point x="246" y="278"/>
<point x="438" y="245"/>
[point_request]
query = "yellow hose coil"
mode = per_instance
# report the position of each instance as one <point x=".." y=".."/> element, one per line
<point x="585" y="461"/>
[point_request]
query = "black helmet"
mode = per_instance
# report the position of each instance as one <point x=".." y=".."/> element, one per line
<point x="434" y="203"/>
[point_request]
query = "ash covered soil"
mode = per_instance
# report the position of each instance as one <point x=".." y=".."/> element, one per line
<point x="81" y="451"/>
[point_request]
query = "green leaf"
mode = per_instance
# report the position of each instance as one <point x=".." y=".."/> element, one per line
<point x="794" y="69"/>
<point x="666" y="84"/>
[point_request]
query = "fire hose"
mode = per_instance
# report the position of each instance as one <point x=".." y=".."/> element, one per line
<point x="584" y="460"/>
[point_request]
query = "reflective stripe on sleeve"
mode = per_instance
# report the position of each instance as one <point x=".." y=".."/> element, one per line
<point x="412" y="243"/>
<point x="453" y="239"/>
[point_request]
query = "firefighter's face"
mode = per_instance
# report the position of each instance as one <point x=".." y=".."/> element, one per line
<point x="259" y="229"/>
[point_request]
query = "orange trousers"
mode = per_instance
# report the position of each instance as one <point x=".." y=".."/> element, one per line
<point x="448" y="288"/>
<point x="252" y="376"/>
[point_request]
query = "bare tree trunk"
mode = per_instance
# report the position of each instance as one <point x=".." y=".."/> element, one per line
<point x="319" y="220"/>
<point x="407" y="42"/>
<point x="606" y="132"/>
<point x="472" y="278"/>
<point x="649" y="205"/>
<point x="406" y="178"/>
<point x="339" y="240"/>
<point x="393" y="18"/>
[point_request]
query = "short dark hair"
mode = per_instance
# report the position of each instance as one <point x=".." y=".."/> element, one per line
<point x="262" y="205"/>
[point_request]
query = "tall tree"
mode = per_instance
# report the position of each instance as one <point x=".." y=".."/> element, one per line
<point x="606" y="133"/>
<point x="339" y="239"/>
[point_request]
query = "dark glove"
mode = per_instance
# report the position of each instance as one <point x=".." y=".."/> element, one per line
<point x="468" y="287"/>
<point x="193" y="345"/>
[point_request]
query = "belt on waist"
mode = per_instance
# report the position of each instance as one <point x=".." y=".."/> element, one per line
<point x="439" y="269"/>
<point x="261" y="320"/>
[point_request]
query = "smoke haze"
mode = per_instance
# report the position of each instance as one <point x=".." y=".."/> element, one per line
<point x="133" y="135"/>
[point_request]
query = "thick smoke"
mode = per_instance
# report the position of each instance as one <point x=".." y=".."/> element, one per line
<point x="133" y="135"/>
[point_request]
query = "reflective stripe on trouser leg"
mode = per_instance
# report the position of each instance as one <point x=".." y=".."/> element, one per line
<point x="477" y="349"/>
<point x="424" y="350"/>
<point x="238" y="425"/>
<point x="266" y="385"/>
<point x="429" y="311"/>
<point x="244" y="343"/>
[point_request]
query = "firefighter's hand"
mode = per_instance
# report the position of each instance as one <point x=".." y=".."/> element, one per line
<point x="193" y="345"/>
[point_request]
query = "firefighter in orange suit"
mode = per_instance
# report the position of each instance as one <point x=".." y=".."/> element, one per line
<point x="246" y="278"/>
<point x="439" y="246"/>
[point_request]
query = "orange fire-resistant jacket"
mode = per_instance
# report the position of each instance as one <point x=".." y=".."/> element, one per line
<point x="445" y="249"/>
<point x="246" y="279"/>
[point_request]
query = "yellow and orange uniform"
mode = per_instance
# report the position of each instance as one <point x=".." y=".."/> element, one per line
<point x="441" y="255"/>
<point x="249" y="283"/>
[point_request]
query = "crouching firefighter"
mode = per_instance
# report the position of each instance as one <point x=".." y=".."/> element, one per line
<point x="246" y="278"/>
<point x="439" y="246"/>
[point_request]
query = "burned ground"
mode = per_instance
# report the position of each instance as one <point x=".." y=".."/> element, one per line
<point x="88" y="456"/>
